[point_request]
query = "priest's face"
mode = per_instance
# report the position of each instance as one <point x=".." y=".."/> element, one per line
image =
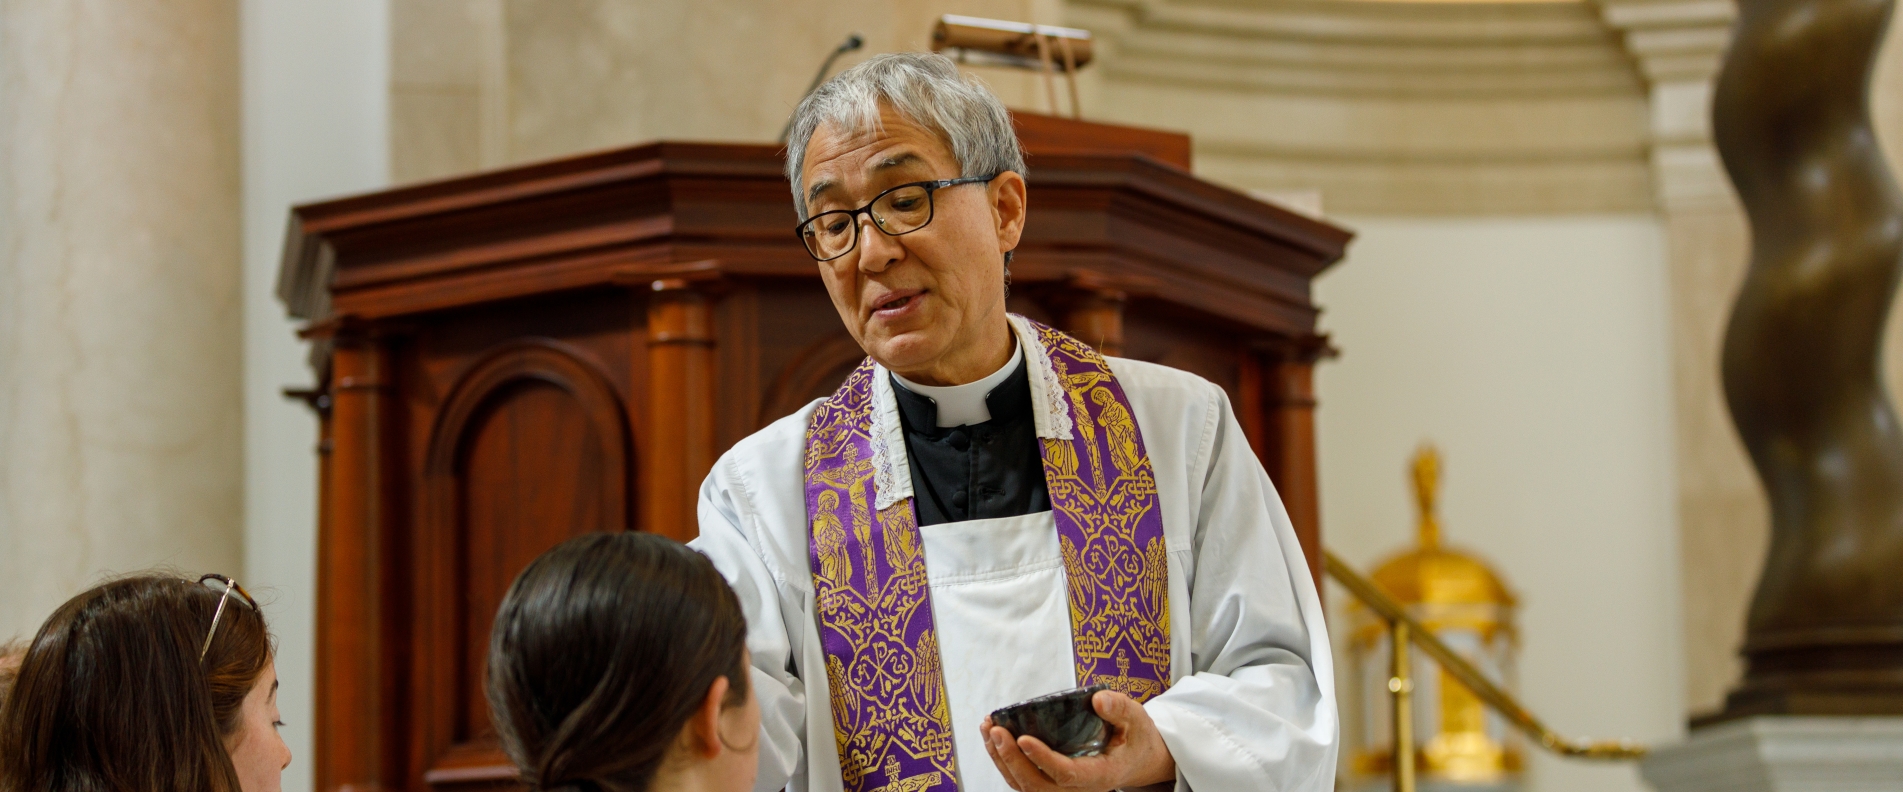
<point x="928" y="304"/>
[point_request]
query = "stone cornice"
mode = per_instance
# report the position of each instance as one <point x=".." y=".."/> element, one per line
<point x="1672" y="40"/>
<point x="1350" y="20"/>
<point x="1331" y="47"/>
<point x="1679" y="46"/>
<point x="1386" y="107"/>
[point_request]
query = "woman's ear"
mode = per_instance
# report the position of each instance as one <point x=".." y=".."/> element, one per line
<point x="1007" y="206"/>
<point x="703" y="730"/>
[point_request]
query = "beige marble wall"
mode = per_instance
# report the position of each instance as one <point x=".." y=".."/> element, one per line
<point x="484" y="83"/>
<point x="445" y="87"/>
<point x="1447" y="109"/>
<point x="120" y="338"/>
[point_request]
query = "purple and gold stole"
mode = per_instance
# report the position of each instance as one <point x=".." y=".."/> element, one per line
<point x="890" y="717"/>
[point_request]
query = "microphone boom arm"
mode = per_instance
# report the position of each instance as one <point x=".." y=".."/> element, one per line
<point x="852" y="42"/>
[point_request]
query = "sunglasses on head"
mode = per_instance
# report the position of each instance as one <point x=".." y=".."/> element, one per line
<point x="224" y="586"/>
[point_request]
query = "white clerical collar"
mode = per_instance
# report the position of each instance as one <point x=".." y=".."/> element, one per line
<point x="961" y="405"/>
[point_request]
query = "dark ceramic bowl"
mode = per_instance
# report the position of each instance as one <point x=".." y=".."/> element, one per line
<point x="1065" y="721"/>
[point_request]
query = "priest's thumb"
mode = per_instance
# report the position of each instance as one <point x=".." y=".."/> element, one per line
<point x="1117" y="709"/>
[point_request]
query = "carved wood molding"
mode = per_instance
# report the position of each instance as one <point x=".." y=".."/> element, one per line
<point x="693" y="211"/>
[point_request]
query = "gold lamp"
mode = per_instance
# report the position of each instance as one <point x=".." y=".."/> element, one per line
<point x="1460" y="744"/>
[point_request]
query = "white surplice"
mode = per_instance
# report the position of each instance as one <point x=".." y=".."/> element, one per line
<point x="1251" y="703"/>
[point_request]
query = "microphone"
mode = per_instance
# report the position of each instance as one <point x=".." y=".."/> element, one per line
<point x="851" y="43"/>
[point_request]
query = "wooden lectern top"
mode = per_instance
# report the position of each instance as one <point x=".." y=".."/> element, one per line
<point x="698" y="210"/>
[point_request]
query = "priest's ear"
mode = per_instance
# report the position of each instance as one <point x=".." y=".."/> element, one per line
<point x="1008" y="203"/>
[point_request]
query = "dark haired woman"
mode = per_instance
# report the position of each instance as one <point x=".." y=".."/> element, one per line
<point x="153" y="683"/>
<point x="618" y="663"/>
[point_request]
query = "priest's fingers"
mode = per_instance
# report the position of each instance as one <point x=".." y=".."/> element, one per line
<point x="1064" y="771"/>
<point x="991" y="749"/>
<point x="1017" y="768"/>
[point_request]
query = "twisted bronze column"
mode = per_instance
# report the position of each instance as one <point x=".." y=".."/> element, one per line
<point x="1801" y="364"/>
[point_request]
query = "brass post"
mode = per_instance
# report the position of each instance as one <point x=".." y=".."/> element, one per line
<point x="1070" y="75"/>
<point x="1401" y="684"/>
<point x="1044" y="57"/>
<point x="1466" y="674"/>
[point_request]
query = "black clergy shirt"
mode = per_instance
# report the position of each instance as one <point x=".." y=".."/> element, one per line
<point x="977" y="471"/>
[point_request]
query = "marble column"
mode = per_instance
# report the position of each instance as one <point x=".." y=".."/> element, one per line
<point x="120" y="336"/>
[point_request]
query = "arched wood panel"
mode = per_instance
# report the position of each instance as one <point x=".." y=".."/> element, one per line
<point x="531" y="447"/>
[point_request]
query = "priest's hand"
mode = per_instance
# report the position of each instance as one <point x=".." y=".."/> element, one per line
<point x="1134" y="758"/>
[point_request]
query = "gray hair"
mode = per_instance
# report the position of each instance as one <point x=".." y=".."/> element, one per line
<point x="925" y="88"/>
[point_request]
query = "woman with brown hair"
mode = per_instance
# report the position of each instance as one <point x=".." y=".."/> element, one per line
<point x="618" y="663"/>
<point x="153" y="683"/>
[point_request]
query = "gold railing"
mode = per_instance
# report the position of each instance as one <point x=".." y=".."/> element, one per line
<point x="1405" y="631"/>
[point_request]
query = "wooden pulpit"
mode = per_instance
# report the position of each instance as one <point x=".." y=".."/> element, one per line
<point x="516" y="357"/>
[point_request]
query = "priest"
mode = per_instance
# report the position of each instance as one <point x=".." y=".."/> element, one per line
<point x="989" y="510"/>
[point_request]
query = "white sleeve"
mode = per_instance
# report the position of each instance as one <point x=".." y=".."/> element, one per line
<point x="726" y="514"/>
<point x="1257" y="710"/>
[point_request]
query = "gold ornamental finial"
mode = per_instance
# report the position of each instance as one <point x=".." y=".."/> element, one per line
<point x="1426" y="492"/>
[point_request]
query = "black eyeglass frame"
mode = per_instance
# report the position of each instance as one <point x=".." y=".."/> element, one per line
<point x="229" y="586"/>
<point x="852" y="215"/>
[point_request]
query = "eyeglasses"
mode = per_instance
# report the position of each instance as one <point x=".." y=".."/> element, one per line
<point x="224" y="586"/>
<point x="900" y="210"/>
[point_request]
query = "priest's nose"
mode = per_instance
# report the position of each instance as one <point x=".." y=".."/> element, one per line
<point x="876" y="250"/>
